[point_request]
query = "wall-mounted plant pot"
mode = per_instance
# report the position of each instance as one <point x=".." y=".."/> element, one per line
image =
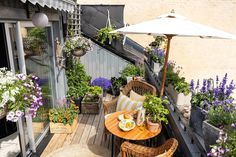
<point x="197" y="117"/>
<point x="210" y="134"/>
<point x="78" y="52"/>
<point x="181" y="101"/>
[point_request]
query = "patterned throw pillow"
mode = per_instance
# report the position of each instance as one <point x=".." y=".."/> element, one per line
<point x="135" y="96"/>
<point x="125" y="103"/>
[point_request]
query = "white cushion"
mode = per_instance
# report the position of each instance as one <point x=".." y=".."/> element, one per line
<point x="125" y="103"/>
<point x="135" y="96"/>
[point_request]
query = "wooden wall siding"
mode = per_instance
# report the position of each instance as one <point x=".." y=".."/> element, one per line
<point x="102" y="63"/>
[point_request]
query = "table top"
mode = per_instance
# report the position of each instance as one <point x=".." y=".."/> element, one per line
<point x="138" y="133"/>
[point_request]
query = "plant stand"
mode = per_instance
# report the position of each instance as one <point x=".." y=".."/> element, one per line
<point x="60" y="128"/>
<point x="210" y="134"/>
<point x="91" y="107"/>
<point x="182" y="101"/>
<point x="196" y="119"/>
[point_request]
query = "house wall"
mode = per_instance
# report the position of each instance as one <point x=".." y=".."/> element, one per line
<point x="199" y="58"/>
<point x="99" y="62"/>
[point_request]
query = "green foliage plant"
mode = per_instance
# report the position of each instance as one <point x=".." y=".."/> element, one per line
<point x="132" y="70"/>
<point x="104" y="36"/>
<point x="155" y="109"/>
<point x="173" y="77"/>
<point x="93" y="94"/>
<point x="220" y="116"/>
<point x="65" y="115"/>
<point x="77" y="80"/>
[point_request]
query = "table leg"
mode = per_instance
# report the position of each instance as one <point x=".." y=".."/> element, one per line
<point x="112" y="145"/>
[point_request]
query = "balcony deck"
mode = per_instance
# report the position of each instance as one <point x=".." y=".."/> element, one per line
<point x="89" y="131"/>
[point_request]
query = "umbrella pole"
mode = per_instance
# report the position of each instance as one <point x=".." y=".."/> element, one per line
<point x="165" y="66"/>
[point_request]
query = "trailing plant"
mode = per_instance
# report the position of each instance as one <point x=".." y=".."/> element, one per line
<point x="132" y="70"/>
<point x="65" y="115"/>
<point x="18" y="93"/>
<point x="155" y="109"/>
<point x="104" y="36"/>
<point x="226" y="143"/>
<point x="77" y="80"/>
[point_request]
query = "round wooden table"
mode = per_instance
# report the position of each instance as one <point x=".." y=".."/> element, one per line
<point x="138" y="133"/>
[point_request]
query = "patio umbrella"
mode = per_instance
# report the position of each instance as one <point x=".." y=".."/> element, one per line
<point x="171" y="25"/>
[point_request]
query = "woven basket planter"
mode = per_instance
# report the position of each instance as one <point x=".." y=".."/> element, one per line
<point x="91" y="107"/>
<point x="78" y="52"/>
<point x="60" y="128"/>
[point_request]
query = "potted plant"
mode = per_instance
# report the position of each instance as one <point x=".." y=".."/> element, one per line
<point x="63" y="119"/>
<point x="225" y="144"/>
<point x="158" y="58"/>
<point x="218" y="117"/>
<point x="131" y="71"/>
<point x="178" y="89"/>
<point x="77" y="82"/>
<point x="156" y="112"/>
<point x="20" y="94"/>
<point x="77" y="46"/>
<point x="212" y="93"/>
<point x="105" y="37"/>
<point x="104" y="83"/>
<point x="92" y="101"/>
<point x="40" y="120"/>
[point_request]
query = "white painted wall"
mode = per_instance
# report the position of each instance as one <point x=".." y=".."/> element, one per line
<point x="99" y="62"/>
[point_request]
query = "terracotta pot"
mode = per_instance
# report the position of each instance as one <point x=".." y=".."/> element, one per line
<point x="78" y="52"/>
<point x="153" y="127"/>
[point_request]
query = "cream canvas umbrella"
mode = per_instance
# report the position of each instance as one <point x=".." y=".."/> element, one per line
<point x="171" y="25"/>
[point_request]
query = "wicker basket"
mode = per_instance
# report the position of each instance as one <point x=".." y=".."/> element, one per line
<point x="78" y="52"/>
<point x="91" y="107"/>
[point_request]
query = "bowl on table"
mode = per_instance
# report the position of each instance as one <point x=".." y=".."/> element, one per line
<point x="126" y="124"/>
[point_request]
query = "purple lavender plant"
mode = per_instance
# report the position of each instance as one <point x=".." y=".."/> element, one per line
<point x="104" y="83"/>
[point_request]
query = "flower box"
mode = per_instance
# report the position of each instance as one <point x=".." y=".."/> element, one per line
<point x="38" y="127"/>
<point x="181" y="101"/>
<point x="197" y="117"/>
<point x="91" y="107"/>
<point x="60" y="128"/>
<point x="210" y="134"/>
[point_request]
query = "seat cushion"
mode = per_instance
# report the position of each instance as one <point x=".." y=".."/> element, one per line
<point x="136" y="97"/>
<point x="125" y="103"/>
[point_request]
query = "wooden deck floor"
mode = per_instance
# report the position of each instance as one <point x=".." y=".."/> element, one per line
<point x="89" y="131"/>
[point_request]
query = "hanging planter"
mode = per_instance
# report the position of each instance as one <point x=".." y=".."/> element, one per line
<point x="78" y="52"/>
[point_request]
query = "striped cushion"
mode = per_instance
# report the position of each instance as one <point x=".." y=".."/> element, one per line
<point x="125" y="103"/>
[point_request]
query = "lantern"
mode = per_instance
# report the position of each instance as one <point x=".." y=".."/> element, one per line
<point x="40" y="19"/>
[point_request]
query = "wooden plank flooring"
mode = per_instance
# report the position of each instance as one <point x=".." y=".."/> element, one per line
<point x="88" y="131"/>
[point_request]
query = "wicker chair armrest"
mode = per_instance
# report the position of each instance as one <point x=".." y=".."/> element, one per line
<point x="109" y="106"/>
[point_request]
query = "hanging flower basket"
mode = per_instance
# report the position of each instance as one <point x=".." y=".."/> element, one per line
<point x="3" y="112"/>
<point x="78" y="52"/>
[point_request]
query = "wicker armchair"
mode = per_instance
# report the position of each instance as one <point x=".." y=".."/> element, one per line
<point x="134" y="150"/>
<point x="135" y="85"/>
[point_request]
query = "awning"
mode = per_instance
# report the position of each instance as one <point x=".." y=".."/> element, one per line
<point x="66" y="5"/>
